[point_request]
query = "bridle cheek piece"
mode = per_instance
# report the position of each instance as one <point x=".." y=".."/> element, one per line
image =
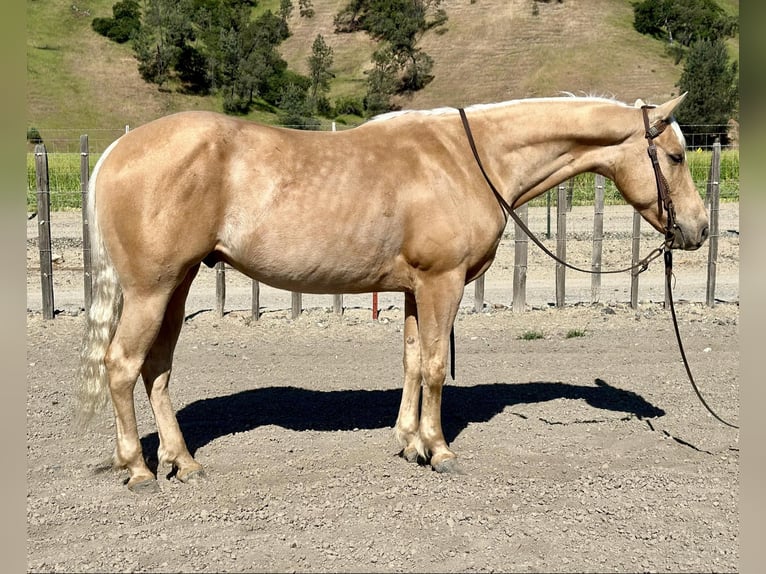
<point x="663" y="189"/>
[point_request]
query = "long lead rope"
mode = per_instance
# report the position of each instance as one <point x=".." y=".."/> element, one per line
<point x="668" y="286"/>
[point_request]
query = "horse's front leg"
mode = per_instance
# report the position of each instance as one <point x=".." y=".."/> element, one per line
<point x="437" y="304"/>
<point x="408" y="421"/>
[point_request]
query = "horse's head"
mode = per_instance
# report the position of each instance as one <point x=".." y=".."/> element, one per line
<point x="634" y="176"/>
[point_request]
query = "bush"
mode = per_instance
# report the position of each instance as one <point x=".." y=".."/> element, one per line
<point x="33" y="136"/>
<point x="124" y="24"/>
<point x="324" y="107"/>
<point x="347" y="105"/>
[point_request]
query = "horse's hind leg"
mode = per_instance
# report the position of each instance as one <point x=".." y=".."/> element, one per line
<point x="156" y="375"/>
<point x="409" y="409"/>
<point x="141" y="319"/>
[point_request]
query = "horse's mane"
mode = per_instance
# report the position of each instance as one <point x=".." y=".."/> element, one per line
<point x="568" y="96"/>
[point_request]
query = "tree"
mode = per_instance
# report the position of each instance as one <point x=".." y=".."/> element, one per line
<point x="125" y="22"/>
<point x="713" y="85"/>
<point x="285" y="9"/>
<point x="319" y="62"/>
<point x="214" y="46"/>
<point x="381" y="82"/>
<point x="295" y="110"/>
<point x="306" y="8"/>
<point x="683" y="21"/>
<point x="399" y="65"/>
<point x="243" y="56"/>
<point x="165" y="29"/>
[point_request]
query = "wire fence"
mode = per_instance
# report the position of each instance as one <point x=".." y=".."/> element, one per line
<point x="564" y="194"/>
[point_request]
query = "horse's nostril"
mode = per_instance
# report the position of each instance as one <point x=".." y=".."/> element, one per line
<point x="705" y="233"/>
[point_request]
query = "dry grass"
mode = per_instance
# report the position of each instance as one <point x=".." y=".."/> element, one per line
<point x="351" y="52"/>
<point x="496" y="50"/>
<point x="579" y="47"/>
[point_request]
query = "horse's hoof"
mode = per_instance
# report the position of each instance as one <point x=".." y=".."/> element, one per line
<point x="145" y="486"/>
<point x="410" y="454"/>
<point x="448" y="466"/>
<point x="193" y="476"/>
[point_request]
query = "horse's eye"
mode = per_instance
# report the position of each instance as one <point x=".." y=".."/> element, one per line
<point x="677" y="158"/>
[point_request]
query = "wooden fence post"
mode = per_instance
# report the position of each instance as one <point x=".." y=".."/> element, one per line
<point x="598" y="239"/>
<point x="478" y="294"/>
<point x="561" y="243"/>
<point x="713" y="197"/>
<point x="337" y="299"/>
<point x="220" y="287"/>
<point x="44" y="229"/>
<point x="86" y="258"/>
<point x="297" y="300"/>
<point x="570" y="194"/>
<point x="520" y="257"/>
<point x="635" y="256"/>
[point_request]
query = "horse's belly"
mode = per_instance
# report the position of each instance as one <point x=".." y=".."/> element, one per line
<point x="315" y="266"/>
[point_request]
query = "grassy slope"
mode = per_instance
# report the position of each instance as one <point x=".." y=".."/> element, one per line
<point x="351" y="52"/>
<point x="492" y="50"/>
<point x="79" y="80"/>
<point x="579" y="47"/>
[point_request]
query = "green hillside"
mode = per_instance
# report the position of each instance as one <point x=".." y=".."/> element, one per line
<point x="492" y="50"/>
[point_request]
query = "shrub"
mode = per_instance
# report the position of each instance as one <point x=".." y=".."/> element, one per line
<point x="125" y="23"/>
<point x="531" y="335"/>
<point x="347" y="105"/>
<point x="572" y="333"/>
<point x="33" y="136"/>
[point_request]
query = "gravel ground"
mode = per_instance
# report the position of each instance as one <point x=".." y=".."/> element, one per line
<point x="585" y="450"/>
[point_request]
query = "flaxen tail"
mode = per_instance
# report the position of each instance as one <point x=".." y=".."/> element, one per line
<point x="101" y="320"/>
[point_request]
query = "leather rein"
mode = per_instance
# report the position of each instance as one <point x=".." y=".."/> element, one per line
<point x="663" y="202"/>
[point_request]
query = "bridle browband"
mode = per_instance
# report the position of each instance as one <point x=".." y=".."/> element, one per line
<point x="663" y="202"/>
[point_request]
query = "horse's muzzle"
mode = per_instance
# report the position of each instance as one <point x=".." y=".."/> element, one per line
<point x="689" y="240"/>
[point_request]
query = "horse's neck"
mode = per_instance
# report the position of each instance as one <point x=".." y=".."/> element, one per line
<point x="531" y="147"/>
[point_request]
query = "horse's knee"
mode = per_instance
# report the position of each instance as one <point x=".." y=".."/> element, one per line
<point x="434" y="372"/>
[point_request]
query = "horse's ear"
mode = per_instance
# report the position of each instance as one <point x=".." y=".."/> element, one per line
<point x="665" y="111"/>
<point x="639" y="103"/>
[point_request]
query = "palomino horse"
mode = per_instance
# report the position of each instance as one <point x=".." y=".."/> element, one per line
<point x="397" y="204"/>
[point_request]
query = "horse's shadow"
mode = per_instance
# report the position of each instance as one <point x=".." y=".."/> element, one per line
<point x="300" y="409"/>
